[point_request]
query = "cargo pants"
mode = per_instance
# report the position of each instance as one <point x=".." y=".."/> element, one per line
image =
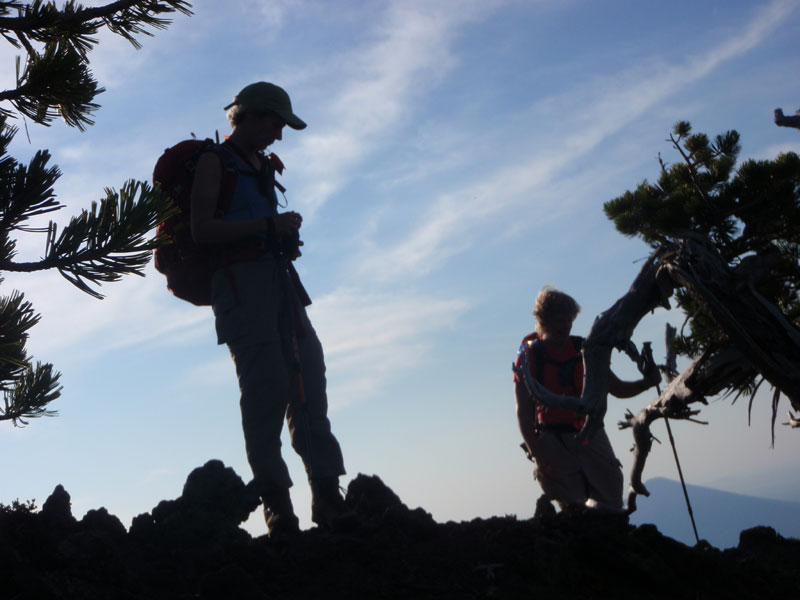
<point x="572" y="471"/>
<point x="255" y="313"/>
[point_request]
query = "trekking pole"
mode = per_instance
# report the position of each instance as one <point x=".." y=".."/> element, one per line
<point x="647" y="354"/>
<point x="680" y="473"/>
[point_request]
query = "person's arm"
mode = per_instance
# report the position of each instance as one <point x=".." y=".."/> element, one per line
<point x="525" y="414"/>
<point x="207" y="228"/>
<point x="629" y="389"/>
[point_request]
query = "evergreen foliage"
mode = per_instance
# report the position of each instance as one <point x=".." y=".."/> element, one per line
<point x="750" y="213"/>
<point x="54" y="80"/>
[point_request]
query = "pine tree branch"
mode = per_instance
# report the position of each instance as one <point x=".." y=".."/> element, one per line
<point x="27" y="191"/>
<point x="16" y="319"/>
<point x="57" y="81"/>
<point x="66" y="20"/>
<point x="692" y="169"/>
<point x="29" y="398"/>
<point x="25" y="43"/>
<point x="107" y="241"/>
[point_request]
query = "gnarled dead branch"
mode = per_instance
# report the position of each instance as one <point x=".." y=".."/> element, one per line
<point x="782" y="120"/>
<point x="710" y="374"/>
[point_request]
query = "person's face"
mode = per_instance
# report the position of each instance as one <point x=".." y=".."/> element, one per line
<point x="265" y="128"/>
<point x="557" y="327"/>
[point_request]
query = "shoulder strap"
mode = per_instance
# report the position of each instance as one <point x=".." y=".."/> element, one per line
<point x="565" y="367"/>
<point x="539" y="358"/>
<point x="229" y="172"/>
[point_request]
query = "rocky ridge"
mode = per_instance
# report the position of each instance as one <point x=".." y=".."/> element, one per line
<point x="193" y="548"/>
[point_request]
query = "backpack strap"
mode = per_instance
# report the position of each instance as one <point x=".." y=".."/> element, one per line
<point x="566" y="368"/>
<point x="229" y="174"/>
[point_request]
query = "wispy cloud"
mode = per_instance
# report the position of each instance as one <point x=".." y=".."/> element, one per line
<point x="770" y="152"/>
<point x="370" y="338"/>
<point x="136" y="311"/>
<point x="597" y="111"/>
<point x="410" y="53"/>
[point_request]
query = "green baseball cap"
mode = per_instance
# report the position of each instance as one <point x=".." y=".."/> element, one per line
<point x="268" y="96"/>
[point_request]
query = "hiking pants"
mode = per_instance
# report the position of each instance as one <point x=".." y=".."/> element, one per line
<point x="571" y="471"/>
<point x="255" y="313"/>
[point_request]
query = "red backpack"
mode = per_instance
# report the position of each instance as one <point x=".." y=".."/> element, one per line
<point x="187" y="265"/>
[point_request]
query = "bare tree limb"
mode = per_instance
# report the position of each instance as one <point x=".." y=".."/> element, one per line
<point x="708" y="375"/>
<point x="783" y="121"/>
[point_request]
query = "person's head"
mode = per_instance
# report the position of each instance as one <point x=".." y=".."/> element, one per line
<point x="262" y="109"/>
<point x="554" y="312"/>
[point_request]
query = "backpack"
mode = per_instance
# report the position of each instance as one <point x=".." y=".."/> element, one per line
<point x="565" y="371"/>
<point x="187" y="265"/>
<point x="566" y="368"/>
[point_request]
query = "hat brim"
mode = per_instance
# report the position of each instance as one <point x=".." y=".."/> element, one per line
<point x="292" y="120"/>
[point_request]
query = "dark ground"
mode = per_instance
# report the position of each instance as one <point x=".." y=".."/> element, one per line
<point x="192" y="547"/>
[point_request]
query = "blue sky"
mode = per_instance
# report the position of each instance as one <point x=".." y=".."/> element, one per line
<point x="457" y="157"/>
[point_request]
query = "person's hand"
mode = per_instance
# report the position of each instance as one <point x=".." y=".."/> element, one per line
<point x="287" y="222"/>
<point x="297" y="254"/>
<point x="652" y="376"/>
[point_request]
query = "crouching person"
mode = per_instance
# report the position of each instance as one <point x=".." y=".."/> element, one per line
<point x="573" y="472"/>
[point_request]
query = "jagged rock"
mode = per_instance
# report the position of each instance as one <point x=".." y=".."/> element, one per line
<point x="142" y="526"/>
<point x="191" y="547"/>
<point x="219" y="490"/>
<point x="369" y="496"/>
<point x="374" y="500"/>
<point x="754" y="539"/>
<point x="101" y="521"/>
<point x="57" y="510"/>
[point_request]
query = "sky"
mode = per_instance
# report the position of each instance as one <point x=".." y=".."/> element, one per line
<point x="456" y="160"/>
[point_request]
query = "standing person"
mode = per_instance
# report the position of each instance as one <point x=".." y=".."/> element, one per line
<point x="570" y="471"/>
<point x="259" y="308"/>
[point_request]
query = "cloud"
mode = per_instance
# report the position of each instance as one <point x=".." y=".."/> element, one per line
<point x="411" y="52"/>
<point x="76" y="327"/>
<point x="369" y="337"/>
<point x="597" y="110"/>
<point x="770" y="152"/>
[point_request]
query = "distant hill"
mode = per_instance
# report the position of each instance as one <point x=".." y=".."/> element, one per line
<point x="719" y="515"/>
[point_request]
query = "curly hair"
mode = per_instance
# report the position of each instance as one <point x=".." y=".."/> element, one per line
<point x="551" y="302"/>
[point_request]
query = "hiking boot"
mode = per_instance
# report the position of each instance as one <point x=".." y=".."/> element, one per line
<point x="328" y="509"/>
<point x="279" y="514"/>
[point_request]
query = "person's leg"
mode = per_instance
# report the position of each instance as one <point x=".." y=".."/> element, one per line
<point x="264" y="386"/>
<point x="247" y="305"/>
<point x="308" y="421"/>
<point x="311" y="433"/>
<point x="558" y="471"/>
<point x="602" y="470"/>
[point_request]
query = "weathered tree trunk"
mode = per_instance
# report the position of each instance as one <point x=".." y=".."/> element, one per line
<point x="751" y="324"/>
